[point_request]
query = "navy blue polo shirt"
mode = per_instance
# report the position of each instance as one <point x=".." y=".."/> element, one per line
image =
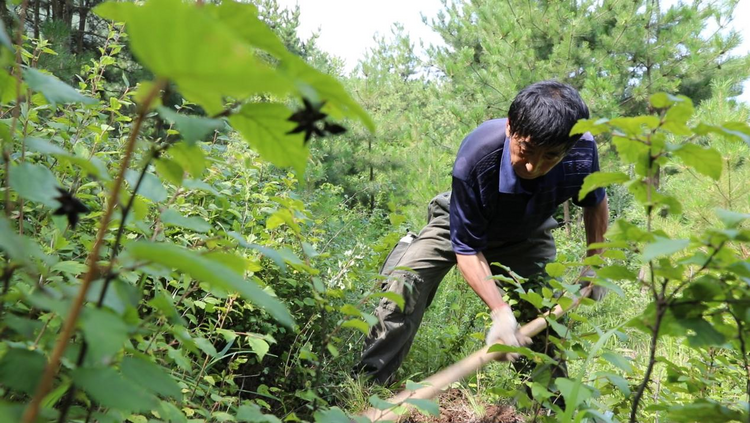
<point x="490" y="205"/>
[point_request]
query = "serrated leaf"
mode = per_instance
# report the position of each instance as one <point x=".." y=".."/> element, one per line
<point x="427" y="406"/>
<point x="205" y="345"/>
<point x="663" y="247"/>
<point x="171" y="217"/>
<point x="192" y="128"/>
<point x="704" y="160"/>
<point x="265" y="127"/>
<point x="360" y="325"/>
<point x="601" y="180"/>
<point x="619" y="361"/>
<point x="150" y="376"/>
<point x="212" y="273"/>
<point x="34" y="182"/>
<point x="105" y="333"/>
<point x="110" y="389"/>
<point x="21" y="369"/>
<point x="259" y="346"/>
<point x="555" y="270"/>
<point x="54" y="90"/>
<point x="151" y="187"/>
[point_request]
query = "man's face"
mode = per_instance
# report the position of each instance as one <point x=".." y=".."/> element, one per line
<point x="530" y="162"/>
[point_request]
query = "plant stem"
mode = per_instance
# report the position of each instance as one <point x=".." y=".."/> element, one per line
<point x="660" y="310"/>
<point x="32" y="411"/>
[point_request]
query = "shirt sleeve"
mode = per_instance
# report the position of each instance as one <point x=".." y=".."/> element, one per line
<point x="596" y="196"/>
<point x="468" y="223"/>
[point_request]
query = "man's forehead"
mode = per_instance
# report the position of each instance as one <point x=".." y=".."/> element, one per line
<point x="529" y="144"/>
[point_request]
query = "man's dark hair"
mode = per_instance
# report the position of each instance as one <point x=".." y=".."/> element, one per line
<point x="546" y="112"/>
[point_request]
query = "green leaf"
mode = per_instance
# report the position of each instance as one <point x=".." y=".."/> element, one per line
<point x="379" y="403"/>
<point x="8" y="85"/>
<point x="730" y="218"/>
<point x="54" y="90"/>
<point x="150" y="376"/>
<point x="265" y="127"/>
<point x="616" y="272"/>
<point x="150" y="188"/>
<point x="179" y="359"/>
<point x="104" y="331"/>
<point x="703" y="411"/>
<point x="663" y="100"/>
<point x="18" y="248"/>
<point x="426" y="406"/>
<point x="34" y="182"/>
<point x="555" y="270"/>
<point x="242" y="18"/>
<point x="21" y="369"/>
<point x="259" y="346"/>
<point x="360" y="325"/>
<point x="599" y="180"/>
<point x="190" y="158"/>
<point x="43" y="146"/>
<point x="619" y="382"/>
<point x="253" y="414"/>
<point x="332" y="415"/>
<point x="413" y="386"/>
<point x="574" y="392"/>
<point x="110" y="389"/>
<point x="590" y="125"/>
<point x="169" y="170"/>
<point x="4" y="38"/>
<point x="192" y="128"/>
<point x="703" y="333"/>
<point x="663" y="247"/>
<point x="618" y="361"/>
<point x="206" y="346"/>
<point x="204" y="71"/>
<point x="212" y="273"/>
<point x="71" y="267"/>
<point x="704" y="160"/>
<point x="171" y="217"/>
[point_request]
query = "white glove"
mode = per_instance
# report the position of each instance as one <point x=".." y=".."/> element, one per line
<point x="505" y="331"/>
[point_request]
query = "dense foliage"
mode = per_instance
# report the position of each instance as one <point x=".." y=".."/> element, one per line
<point x="191" y="230"/>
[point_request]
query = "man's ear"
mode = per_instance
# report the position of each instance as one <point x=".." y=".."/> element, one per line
<point x="507" y="128"/>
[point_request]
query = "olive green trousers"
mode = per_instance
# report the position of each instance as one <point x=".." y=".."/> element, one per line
<point x="429" y="257"/>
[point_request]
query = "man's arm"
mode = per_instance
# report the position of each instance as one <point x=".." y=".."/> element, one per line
<point x="476" y="271"/>
<point x="595" y="220"/>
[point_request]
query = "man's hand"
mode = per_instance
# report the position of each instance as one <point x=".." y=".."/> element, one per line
<point x="597" y="292"/>
<point x="505" y="330"/>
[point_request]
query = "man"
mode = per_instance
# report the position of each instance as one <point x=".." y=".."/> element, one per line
<point x="509" y="177"/>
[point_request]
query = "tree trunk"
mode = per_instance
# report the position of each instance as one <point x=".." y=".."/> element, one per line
<point x="37" y="18"/>
<point x="82" y="15"/>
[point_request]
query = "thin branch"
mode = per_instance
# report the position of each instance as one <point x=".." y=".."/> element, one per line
<point x="32" y="411"/>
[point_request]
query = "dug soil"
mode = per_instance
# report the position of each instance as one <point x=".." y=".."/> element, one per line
<point x="456" y="408"/>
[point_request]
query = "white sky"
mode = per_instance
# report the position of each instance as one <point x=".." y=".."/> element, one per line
<point x="347" y="27"/>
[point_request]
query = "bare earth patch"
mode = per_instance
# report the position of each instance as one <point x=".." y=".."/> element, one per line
<point x="456" y="408"/>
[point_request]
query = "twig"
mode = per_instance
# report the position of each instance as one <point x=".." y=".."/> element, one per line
<point x="32" y="411"/>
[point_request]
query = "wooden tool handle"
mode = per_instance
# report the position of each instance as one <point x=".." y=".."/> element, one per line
<point x="444" y="378"/>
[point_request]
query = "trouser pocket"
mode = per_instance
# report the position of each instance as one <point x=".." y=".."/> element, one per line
<point x="405" y="284"/>
<point x="394" y="257"/>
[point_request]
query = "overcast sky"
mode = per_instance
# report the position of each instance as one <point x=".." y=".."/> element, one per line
<point x="347" y="27"/>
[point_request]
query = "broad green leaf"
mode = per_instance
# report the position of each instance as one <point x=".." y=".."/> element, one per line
<point x="619" y="361"/>
<point x="150" y="376"/>
<point x="17" y="247"/>
<point x="590" y="125"/>
<point x="259" y="346"/>
<point x="206" y="346"/>
<point x="616" y="272"/>
<point x="74" y="268"/>
<point x="179" y="359"/>
<point x="170" y="413"/>
<point x="4" y="38"/>
<point x="171" y="217"/>
<point x="252" y="413"/>
<point x="663" y="247"/>
<point x="21" y="369"/>
<point x="265" y="127"/>
<point x="190" y="157"/>
<point x="212" y="273"/>
<point x="555" y="270"/>
<point x="600" y="180"/>
<point x="110" y="389"/>
<point x="8" y="84"/>
<point x="634" y="125"/>
<point x="704" y="411"/>
<point x="169" y="170"/>
<point x="360" y="325"/>
<point x="242" y="18"/>
<point x="204" y="71"/>
<point x="192" y="128"/>
<point x="619" y="382"/>
<point x="54" y="90"/>
<point x="730" y="218"/>
<point x="332" y="415"/>
<point x="704" y="160"/>
<point x="426" y="406"/>
<point x="702" y="333"/>
<point x="379" y="403"/>
<point x="34" y="182"/>
<point x="574" y="392"/>
<point x="151" y="187"/>
<point x="632" y="152"/>
<point x="663" y="100"/>
<point x="413" y="386"/>
<point x="105" y="333"/>
<point x="43" y="146"/>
